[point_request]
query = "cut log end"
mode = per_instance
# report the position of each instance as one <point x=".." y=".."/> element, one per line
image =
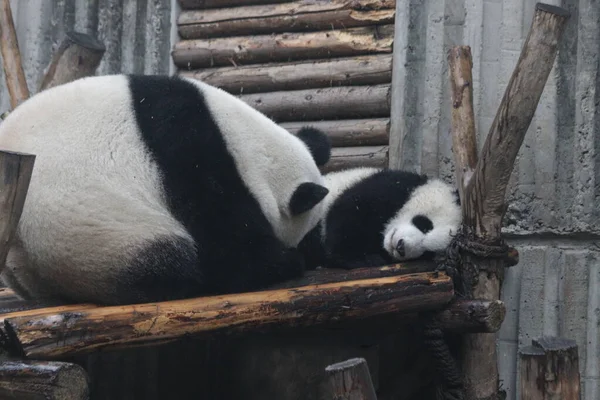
<point x="350" y="380"/>
<point x="550" y="343"/>
<point x="345" y="365"/>
<point x="559" y="11"/>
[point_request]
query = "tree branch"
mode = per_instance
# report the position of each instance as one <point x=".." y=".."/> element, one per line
<point x="11" y="57"/>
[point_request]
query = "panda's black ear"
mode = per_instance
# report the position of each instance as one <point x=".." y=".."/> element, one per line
<point x="457" y="196"/>
<point x="317" y="142"/>
<point x="306" y="196"/>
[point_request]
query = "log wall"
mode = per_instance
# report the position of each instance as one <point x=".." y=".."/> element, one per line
<point x="328" y="64"/>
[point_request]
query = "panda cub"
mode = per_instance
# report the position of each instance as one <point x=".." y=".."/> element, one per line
<point x="375" y="217"/>
<point x="154" y="188"/>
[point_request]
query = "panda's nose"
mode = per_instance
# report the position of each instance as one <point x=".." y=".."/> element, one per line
<point x="400" y="247"/>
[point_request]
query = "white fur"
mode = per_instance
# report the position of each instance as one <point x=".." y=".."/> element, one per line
<point x="89" y="206"/>
<point x="431" y="200"/>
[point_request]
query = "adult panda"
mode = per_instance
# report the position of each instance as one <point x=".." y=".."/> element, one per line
<point x="153" y="188"/>
<point x="375" y="217"/>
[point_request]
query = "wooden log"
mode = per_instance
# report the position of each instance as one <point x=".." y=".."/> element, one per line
<point x="16" y="169"/>
<point x="325" y="103"/>
<point x="208" y="4"/>
<point x="351" y="157"/>
<point x="549" y="370"/>
<point x="297" y="16"/>
<point x="363" y="70"/>
<point x="55" y="335"/>
<point x="78" y="56"/>
<point x="484" y="202"/>
<point x="42" y="380"/>
<point x="11" y="57"/>
<point x="351" y="380"/>
<point x="203" y="53"/>
<point x="472" y="316"/>
<point x="350" y="132"/>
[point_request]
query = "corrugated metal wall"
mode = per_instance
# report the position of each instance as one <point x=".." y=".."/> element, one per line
<point x="553" y="216"/>
<point x="137" y="34"/>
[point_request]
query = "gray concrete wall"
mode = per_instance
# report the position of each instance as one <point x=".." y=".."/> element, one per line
<point x="553" y="215"/>
<point x="137" y="34"/>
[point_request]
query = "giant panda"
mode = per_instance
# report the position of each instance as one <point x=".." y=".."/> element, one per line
<point x="155" y="188"/>
<point x="376" y="216"/>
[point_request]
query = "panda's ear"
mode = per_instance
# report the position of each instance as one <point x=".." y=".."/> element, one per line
<point x="317" y="142"/>
<point x="306" y="196"/>
<point x="457" y="197"/>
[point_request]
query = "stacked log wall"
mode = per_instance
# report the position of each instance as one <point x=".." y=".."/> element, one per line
<point x="301" y="62"/>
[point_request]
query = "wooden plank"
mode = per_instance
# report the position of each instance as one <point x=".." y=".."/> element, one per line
<point x="203" y="53"/>
<point x="208" y="4"/>
<point x="320" y="104"/>
<point x="297" y="16"/>
<point x="349" y="132"/>
<point x="360" y="156"/>
<point x="256" y="78"/>
<point x="72" y="333"/>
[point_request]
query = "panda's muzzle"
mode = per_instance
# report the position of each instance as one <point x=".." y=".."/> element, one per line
<point x="400" y="248"/>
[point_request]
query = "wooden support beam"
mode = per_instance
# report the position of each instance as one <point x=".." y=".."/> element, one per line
<point x="295" y="16"/>
<point x="67" y="334"/>
<point x="78" y="56"/>
<point x="204" y="53"/>
<point x="325" y="103"/>
<point x="484" y="193"/>
<point x="349" y="132"/>
<point x="549" y="370"/>
<point x="351" y="380"/>
<point x="208" y="4"/>
<point x="11" y="57"/>
<point x="16" y="170"/>
<point x="37" y="380"/>
<point x="257" y="78"/>
<point x="359" y="156"/>
<point x="472" y="316"/>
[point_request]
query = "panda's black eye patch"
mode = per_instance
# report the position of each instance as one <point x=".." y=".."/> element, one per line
<point x="422" y="223"/>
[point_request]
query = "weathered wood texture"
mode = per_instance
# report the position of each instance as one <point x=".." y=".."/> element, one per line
<point x="16" y="170"/>
<point x="296" y="16"/>
<point x="78" y="56"/>
<point x="484" y="201"/>
<point x="474" y="316"/>
<point x="42" y="380"/>
<point x="208" y="4"/>
<point x="362" y="70"/>
<point x="360" y="156"/>
<point x="65" y="334"/>
<point x="464" y="138"/>
<point x="350" y="132"/>
<point x="351" y="380"/>
<point x="11" y="57"/>
<point x="325" y="103"/>
<point x="203" y="53"/>
<point x="549" y="370"/>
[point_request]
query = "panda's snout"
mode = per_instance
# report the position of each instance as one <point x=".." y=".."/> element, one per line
<point x="400" y="247"/>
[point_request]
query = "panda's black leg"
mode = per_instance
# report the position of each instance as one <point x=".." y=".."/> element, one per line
<point x="356" y="261"/>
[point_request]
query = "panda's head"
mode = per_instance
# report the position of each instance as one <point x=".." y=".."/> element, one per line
<point x="425" y="223"/>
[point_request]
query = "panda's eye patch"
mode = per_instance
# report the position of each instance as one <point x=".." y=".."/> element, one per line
<point x="422" y="223"/>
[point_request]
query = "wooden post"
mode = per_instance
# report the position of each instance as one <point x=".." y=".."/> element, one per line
<point x="11" y="57"/>
<point x="550" y="370"/>
<point x="351" y="380"/>
<point x="78" y="56"/>
<point x="483" y="189"/>
<point x="35" y="380"/>
<point x="16" y="169"/>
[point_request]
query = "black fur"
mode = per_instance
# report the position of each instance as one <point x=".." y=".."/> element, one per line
<point x="317" y="142"/>
<point x="306" y="196"/>
<point x="356" y="220"/>
<point x="236" y="249"/>
<point x="422" y="223"/>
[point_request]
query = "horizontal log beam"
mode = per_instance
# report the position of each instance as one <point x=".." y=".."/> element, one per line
<point x="208" y="4"/>
<point x="323" y="104"/>
<point x="36" y="380"/>
<point x="297" y="16"/>
<point x="472" y="316"/>
<point x="66" y="334"/>
<point x="257" y="78"/>
<point x="360" y="156"/>
<point x="349" y="132"/>
<point x="204" y="53"/>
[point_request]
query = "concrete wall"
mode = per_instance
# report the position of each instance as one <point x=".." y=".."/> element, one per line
<point x="137" y="34"/>
<point x="553" y="215"/>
